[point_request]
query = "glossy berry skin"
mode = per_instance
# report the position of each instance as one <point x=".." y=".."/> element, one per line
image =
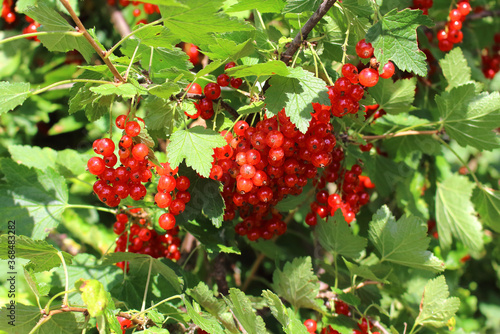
<point x="311" y="325"/>
<point x="194" y="89"/>
<point x="229" y="65"/>
<point x="167" y="221"/>
<point x="236" y="82"/>
<point x="96" y="165"/>
<point x="212" y="91"/>
<point x="389" y="70"/>
<point x="364" y="49"/>
<point x="368" y="77"/>
<point x="464" y="8"/>
<point x="223" y="80"/>
<point x="132" y="128"/>
<point x="140" y="151"/>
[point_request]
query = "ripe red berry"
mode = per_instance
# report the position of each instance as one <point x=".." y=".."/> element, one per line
<point x="223" y="80"/>
<point x="132" y="128"/>
<point x="455" y="15"/>
<point x="177" y="207"/>
<point x="229" y="65"/>
<point x="194" y="88"/>
<point x="212" y="91"/>
<point x="364" y="49"/>
<point x="105" y="147"/>
<point x="388" y="70"/>
<point x="182" y="183"/>
<point x="368" y="77"/>
<point x="167" y="183"/>
<point x="442" y="35"/>
<point x="136" y="12"/>
<point x="10" y="17"/>
<point x="140" y="151"/>
<point x="350" y="72"/>
<point x="445" y="45"/>
<point x="96" y="165"/>
<point x="236" y="82"/>
<point x="464" y="8"/>
<point x="311" y="325"/>
<point x="167" y="221"/>
<point x="455" y="36"/>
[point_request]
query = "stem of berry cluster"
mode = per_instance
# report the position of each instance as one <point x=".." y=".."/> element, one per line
<point x="89" y="38"/>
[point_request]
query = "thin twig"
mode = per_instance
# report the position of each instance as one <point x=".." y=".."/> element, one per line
<point x="253" y="270"/>
<point x="306" y="29"/>
<point x="360" y="285"/>
<point x="377" y="324"/>
<point x="401" y="134"/>
<point x="89" y="38"/>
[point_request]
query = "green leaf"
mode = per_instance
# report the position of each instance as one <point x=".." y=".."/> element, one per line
<point x="157" y="267"/>
<point x="93" y="295"/>
<point x="357" y="13"/>
<point x="487" y="204"/>
<point x="12" y="95"/>
<point x="197" y="23"/>
<point x="242" y="309"/>
<point x="216" y="307"/>
<point x="436" y="307"/>
<point x="455" y="215"/>
<point x="253" y="108"/>
<point x="40" y="289"/>
<point x="42" y="256"/>
<point x="297" y="283"/>
<point x="270" y="68"/>
<point x="28" y="316"/>
<point x="52" y="21"/>
<point x="172" y="3"/>
<point x="161" y="116"/>
<point x="223" y="48"/>
<point x="394" y="97"/>
<point x="404" y="242"/>
<point x="165" y="90"/>
<point x="82" y="98"/>
<point x="263" y="6"/>
<point x="214" y="241"/>
<point x="125" y="90"/>
<point x="469" y="118"/>
<point x="394" y="38"/>
<point x="295" y="93"/>
<point x="299" y="6"/>
<point x="33" y="197"/>
<point x="455" y="68"/>
<point x="349" y="298"/>
<point x="67" y="162"/>
<point x="287" y="318"/>
<point x="385" y="173"/>
<point x="206" y="321"/>
<point x="335" y="236"/>
<point x="196" y="145"/>
<point x="373" y="273"/>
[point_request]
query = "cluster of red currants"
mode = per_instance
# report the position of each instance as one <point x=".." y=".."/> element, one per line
<point x="205" y="106"/>
<point x="7" y="13"/>
<point x="261" y="165"/>
<point x="491" y="59"/>
<point x="452" y="33"/>
<point x="348" y="90"/>
<point x="172" y="194"/>
<point x="312" y="326"/>
<point x="149" y="8"/>
<point x="351" y="186"/>
<point x="115" y="184"/>
<point x="424" y="5"/>
<point x="143" y="239"/>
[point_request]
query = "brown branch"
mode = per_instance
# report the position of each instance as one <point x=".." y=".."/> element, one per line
<point x="253" y="270"/>
<point x="306" y="29"/>
<point x="119" y="21"/>
<point x="360" y="285"/>
<point x="377" y="324"/>
<point x="401" y="134"/>
<point x="89" y="38"/>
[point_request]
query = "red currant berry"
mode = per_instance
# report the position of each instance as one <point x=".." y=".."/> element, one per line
<point x="132" y="128"/>
<point x="105" y="147"/>
<point x="364" y="49"/>
<point x="311" y="325"/>
<point x="212" y="91"/>
<point x="163" y="200"/>
<point x="388" y="70"/>
<point x="455" y="15"/>
<point x="140" y="151"/>
<point x="464" y="8"/>
<point x="194" y="88"/>
<point x="229" y="65"/>
<point x="182" y="183"/>
<point x="96" y="165"/>
<point x="177" y="207"/>
<point x="223" y="80"/>
<point x="167" y="221"/>
<point x="368" y="77"/>
<point x="236" y="82"/>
